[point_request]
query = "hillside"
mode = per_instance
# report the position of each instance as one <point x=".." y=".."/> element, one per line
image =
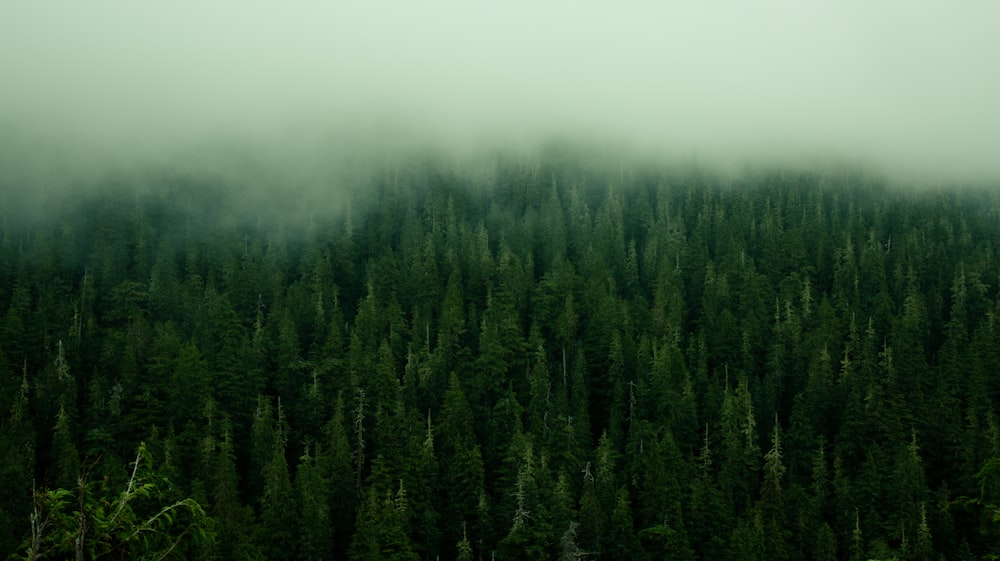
<point x="527" y="358"/>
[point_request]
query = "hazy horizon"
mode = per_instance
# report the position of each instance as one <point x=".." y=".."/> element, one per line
<point x="911" y="90"/>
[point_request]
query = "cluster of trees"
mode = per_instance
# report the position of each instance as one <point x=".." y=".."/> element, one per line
<point x="537" y="359"/>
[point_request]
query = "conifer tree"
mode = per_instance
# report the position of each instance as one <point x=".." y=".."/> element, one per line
<point x="65" y="457"/>
<point x="772" y="503"/>
<point x="337" y="468"/>
<point x="621" y="539"/>
<point x="741" y="451"/>
<point x="315" y="531"/>
<point x="234" y="539"/>
<point x="707" y="516"/>
<point x="17" y="439"/>
<point x="278" y="506"/>
<point x="380" y="528"/>
<point x="593" y="523"/>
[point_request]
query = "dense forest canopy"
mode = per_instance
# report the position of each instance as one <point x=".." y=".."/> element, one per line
<point x="548" y="356"/>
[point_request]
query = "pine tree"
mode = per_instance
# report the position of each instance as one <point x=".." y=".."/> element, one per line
<point x="741" y="451"/>
<point x="593" y="523"/>
<point x="621" y="540"/>
<point x="461" y="463"/>
<point x="748" y="539"/>
<point x="380" y="529"/>
<point x="464" y="548"/>
<point x="311" y="490"/>
<point x="65" y="457"/>
<point x="17" y="439"/>
<point x="235" y="520"/>
<point x="772" y="503"/>
<point x="337" y="468"/>
<point x="424" y="492"/>
<point x="278" y="512"/>
<point x="530" y="533"/>
<point x="708" y="519"/>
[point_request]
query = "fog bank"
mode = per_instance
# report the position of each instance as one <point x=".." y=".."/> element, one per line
<point x="909" y="88"/>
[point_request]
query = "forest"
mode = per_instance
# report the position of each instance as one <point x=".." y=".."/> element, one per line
<point x="536" y="357"/>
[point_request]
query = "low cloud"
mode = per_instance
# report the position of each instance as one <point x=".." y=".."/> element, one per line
<point x="908" y="88"/>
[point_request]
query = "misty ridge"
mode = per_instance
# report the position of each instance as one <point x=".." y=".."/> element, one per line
<point x="311" y="181"/>
<point x="294" y="180"/>
<point x="553" y="350"/>
<point x="547" y="280"/>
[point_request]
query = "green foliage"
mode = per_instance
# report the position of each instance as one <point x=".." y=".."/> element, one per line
<point x="142" y="521"/>
<point x="382" y="520"/>
<point x="523" y="357"/>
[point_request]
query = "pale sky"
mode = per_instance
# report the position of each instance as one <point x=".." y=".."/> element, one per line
<point x="909" y="85"/>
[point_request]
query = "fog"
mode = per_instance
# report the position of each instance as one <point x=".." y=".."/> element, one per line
<point x="908" y="88"/>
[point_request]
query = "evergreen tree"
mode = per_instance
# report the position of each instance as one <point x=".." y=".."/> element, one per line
<point x="337" y="468"/>
<point x="65" y="457"/>
<point x="741" y="451"/>
<point x="621" y="539"/>
<point x="380" y="528"/>
<point x="772" y="503"/>
<point x="311" y="489"/>
<point x="278" y="512"/>
<point x="17" y="438"/>
<point x="234" y="539"/>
